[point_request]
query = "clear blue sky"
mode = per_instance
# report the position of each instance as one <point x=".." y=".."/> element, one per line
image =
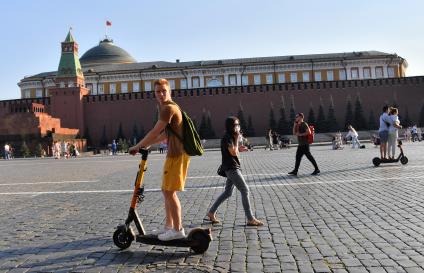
<point x="31" y="31"/>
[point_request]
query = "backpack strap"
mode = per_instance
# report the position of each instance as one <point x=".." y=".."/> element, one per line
<point x="168" y="126"/>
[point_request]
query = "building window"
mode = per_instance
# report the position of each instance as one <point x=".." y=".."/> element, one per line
<point x="281" y="77"/>
<point x="354" y="73"/>
<point x="379" y="72"/>
<point x="330" y="75"/>
<point x="232" y="80"/>
<point x="70" y="84"/>
<point x="305" y="76"/>
<point x="342" y="74"/>
<point x="39" y="93"/>
<point x="214" y="82"/>
<point x="196" y="82"/>
<point x="183" y="84"/>
<point x="172" y="84"/>
<point x="136" y="87"/>
<point x="257" y="79"/>
<point x="112" y="89"/>
<point x="269" y="79"/>
<point x="245" y="80"/>
<point x="293" y="77"/>
<point x="89" y="87"/>
<point x="124" y="87"/>
<point x="391" y="72"/>
<point x="317" y="76"/>
<point x="101" y="88"/>
<point x="367" y="73"/>
<point x="147" y="86"/>
<point x="27" y="94"/>
<point x="62" y="84"/>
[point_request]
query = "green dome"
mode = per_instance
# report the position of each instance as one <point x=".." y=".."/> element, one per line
<point x="106" y="53"/>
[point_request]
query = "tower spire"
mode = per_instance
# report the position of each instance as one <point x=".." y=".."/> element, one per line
<point x="69" y="65"/>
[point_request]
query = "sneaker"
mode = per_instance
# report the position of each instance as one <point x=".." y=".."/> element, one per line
<point x="316" y="172"/>
<point x="160" y="231"/>
<point x="172" y="234"/>
<point x="293" y="173"/>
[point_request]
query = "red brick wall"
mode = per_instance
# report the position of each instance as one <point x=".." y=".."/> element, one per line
<point x="130" y="109"/>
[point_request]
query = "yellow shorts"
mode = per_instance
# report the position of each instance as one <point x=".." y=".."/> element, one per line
<point x="175" y="172"/>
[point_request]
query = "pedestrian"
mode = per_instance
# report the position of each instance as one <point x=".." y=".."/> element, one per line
<point x="230" y="164"/>
<point x="354" y="136"/>
<point x="6" y="151"/>
<point x="302" y="130"/>
<point x="393" y="132"/>
<point x="414" y="133"/>
<point x="114" y="147"/>
<point x="269" y="139"/>
<point x="169" y="124"/>
<point x="383" y="131"/>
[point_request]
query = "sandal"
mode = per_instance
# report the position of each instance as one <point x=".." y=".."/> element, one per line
<point x="255" y="223"/>
<point x="212" y="218"/>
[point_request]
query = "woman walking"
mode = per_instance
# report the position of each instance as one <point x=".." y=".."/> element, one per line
<point x="231" y="166"/>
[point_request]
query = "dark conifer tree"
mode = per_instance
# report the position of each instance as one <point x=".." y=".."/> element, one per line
<point x="359" y="121"/>
<point x="321" y="124"/>
<point x="103" y="140"/>
<point x="349" y="113"/>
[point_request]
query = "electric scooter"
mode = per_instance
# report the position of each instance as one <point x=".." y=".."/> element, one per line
<point x="198" y="239"/>
<point x="402" y="158"/>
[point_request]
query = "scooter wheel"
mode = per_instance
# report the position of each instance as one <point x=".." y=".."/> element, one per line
<point x="404" y="160"/>
<point x="203" y="240"/>
<point x="122" y="239"/>
<point x="376" y="161"/>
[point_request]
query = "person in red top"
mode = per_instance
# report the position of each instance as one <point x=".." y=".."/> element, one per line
<point x="302" y="130"/>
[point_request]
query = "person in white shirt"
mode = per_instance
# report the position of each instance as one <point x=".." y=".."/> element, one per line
<point x="393" y="132"/>
<point x="354" y="135"/>
<point x="6" y="151"/>
<point x="383" y="131"/>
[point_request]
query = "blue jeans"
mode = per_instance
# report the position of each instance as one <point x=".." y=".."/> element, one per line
<point x="234" y="178"/>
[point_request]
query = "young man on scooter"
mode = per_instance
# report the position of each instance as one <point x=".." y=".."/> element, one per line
<point x="176" y="163"/>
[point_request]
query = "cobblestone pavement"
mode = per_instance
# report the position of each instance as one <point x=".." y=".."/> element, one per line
<point x="59" y="215"/>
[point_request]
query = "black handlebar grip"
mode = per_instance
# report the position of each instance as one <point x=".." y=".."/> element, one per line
<point x="144" y="153"/>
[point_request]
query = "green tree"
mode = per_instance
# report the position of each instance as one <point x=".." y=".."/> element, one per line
<point x="292" y="114"/>
<point x="120" y="132"/>
<point x="272" y="122"/>
<point x="141" y="134"/>
<point x="250" y="132"/>
<point x="421" y="119"/>
<point x="210" y="130"/>
<point x="321" y="124"/>
<point x="359" y="121"/>
<point x="135" y="136"/>
<point x="283" y="124"/>
<point x="39" y="150"/>
<point x="372" y="124"/>
<point x="311" y="116"/>
<point x="25" y="152"/>
<point x="349" y="113"/>
<point x="332" y="124"/>
<point x="203" y="130"/>
<point x="103" y="140"/>
<point x="87" y="137"/>
<point x="406" y="120"/>
<point x="240" y="116"/>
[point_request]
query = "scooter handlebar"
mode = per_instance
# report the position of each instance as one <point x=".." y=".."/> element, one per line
<point x="144" y="153"/>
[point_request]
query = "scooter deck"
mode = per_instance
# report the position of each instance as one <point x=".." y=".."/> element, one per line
<point x="153" y="240"/>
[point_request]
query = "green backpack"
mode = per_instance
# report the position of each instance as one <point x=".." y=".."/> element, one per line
<point x="190" y="139"/>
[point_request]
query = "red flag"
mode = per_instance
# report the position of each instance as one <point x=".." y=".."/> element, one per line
<point x="108" y="23"/>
